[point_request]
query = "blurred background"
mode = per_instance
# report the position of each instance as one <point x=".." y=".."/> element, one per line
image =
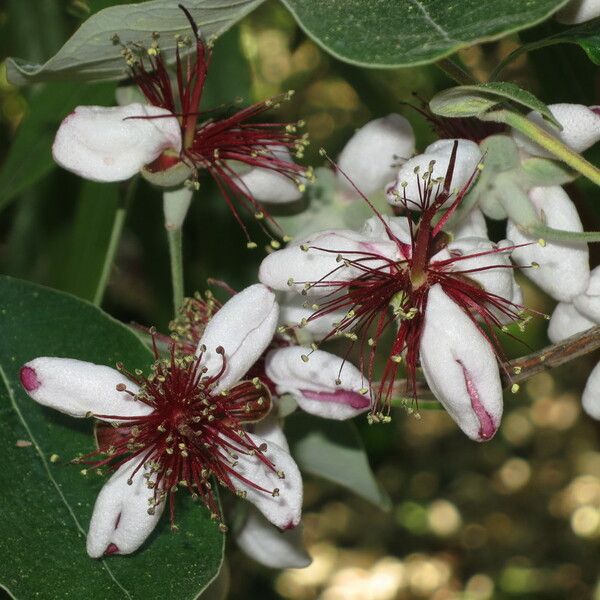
<point x="518" y="517"/>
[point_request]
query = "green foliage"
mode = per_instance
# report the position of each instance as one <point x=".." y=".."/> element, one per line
<point x="46" y="504"/>
<point x="475" y="100"/>
<point x="90" y="53"/>
<point x="388" y="33"/>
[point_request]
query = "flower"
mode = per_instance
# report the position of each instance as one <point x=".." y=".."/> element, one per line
<point x="327" y="387"/>
<point x="166" y="141"/>
<point x="580" y="128"/>
<point x="562" y="267"/>
<point x="578" y="11"/>
<point x="179" y="427"/>
<point x="436" y="293"/>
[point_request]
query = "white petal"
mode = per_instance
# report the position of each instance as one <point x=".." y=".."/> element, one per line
<point x="460" y="367"/>
<point x="104" y="144"/>
<point x="313" y="383"/>
<point x="566" y="321"/>
<point x="175" y="206"/>
<point x="564" y="267"/>
<point x="282" y="509"/>
<point x="292" y="312"/>
<point x="78" y="388"/>
<point x="498" y="280"/>
<point x="590" y="399"/>
<point x="120" y="522"/>
<point x="270" y="546"/>
<point x="270" y="430"/>
<point x="243" y="327"/>
<point x="588" y="304"/>
<point x="581" y="128"/>
<point x="266" y="185"/>
<point x="375" y="229"/>
<point x="473" y="225"/>
<point x="578" y="11"/>
<point x="372" y="155"/>
<point x="467" y="157"/>
<point x="297" y="266"/>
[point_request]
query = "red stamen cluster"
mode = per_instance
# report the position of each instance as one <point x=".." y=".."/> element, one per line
<point x="388" y="291"/>
<point x="192" y="434"/>
<point x="213" y="143"/>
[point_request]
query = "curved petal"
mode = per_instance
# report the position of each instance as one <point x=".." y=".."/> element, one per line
<point x="578" y="11"/>
<point x="281" y="503"/>
<point x="374" y="229"/>
<point x="563" y="267"/>
<point x="407" y="181"/>
<point x="581" y="128"/>
<point x="313" y="383"/>
<point x="372" y="155"/>
<point x="120" y="522"/>
<point x="113" y="144"/>
<point x="294" y="313"/>
<point x="588" y="304"/>
<point x="79" y="388"/>
<point x="318" y="258"/>
<point x="270" y="430"/>
<point x="460" y="367"/>
<point x="473" y="225"/>
<point x="271" y="547"/>
<point x="492" y="271"/>
<point x="267" y="185"/>
<point x="566" y="321"/>
<point x="590" y="399"/>
<point x="244" y="326"/>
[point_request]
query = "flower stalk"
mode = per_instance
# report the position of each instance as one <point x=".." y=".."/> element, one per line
<point x="175" y="239"/>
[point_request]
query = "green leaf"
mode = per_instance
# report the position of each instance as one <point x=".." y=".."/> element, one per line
<point x="393" y="33"/>
<point x="586" y="35"/>
<point x="88" y="240"/>
<point x="30" y="156"/>
<point x="334" y="451"/>
<point x="90" y="53"/>
<point x="474" y="100"/>
<point x="544" y="172"/>
<point x="46" y="506"/>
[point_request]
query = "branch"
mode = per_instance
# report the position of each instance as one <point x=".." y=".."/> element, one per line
<point x="552" y="356"/>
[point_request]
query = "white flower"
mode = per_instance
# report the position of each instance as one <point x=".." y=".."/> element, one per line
<point x="588" y="303"/>
<point x="590" y="399"/>
<point x="563" y="266"/>
<point x="409" y="180"/>
<point x="578" y="11"/>
<point x="262" y="471"/>
<point x="372" y="155"/>
<point x="113" y="144"/>
<point x="580" y="128"/>
<point x="460" y="367"/>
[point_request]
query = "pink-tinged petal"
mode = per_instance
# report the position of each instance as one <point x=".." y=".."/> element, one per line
<point x="266" y="185"/>
<point x="120" y="522"/>
<point x="567" y="321"/>
<point x="372" y="155"/>
<point x="460" y="367"/>
<point x="473" y="225"/>
<point x="590" y="399"/>
<point x="588" y="304"/>
<point x="243" y="327"/>
<point x="113" y="144"/>
<point x="325" y="385"/>
<point x="564" y="270"/>
<point x="318" y="258"/>
<point x="580" y="128"/>
<point x="270" y="546"/>
<point x="467" y="157"/>
<point x="578" y="11"/>
<point x="281" y="502"/>
<point x="78" y="388"/>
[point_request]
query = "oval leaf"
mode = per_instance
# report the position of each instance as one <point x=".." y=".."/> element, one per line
<point x="473" y="100"/>
<point x="389" y="33"/>
<point x="90" y="53"/>
<point x="46" y="503"/>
